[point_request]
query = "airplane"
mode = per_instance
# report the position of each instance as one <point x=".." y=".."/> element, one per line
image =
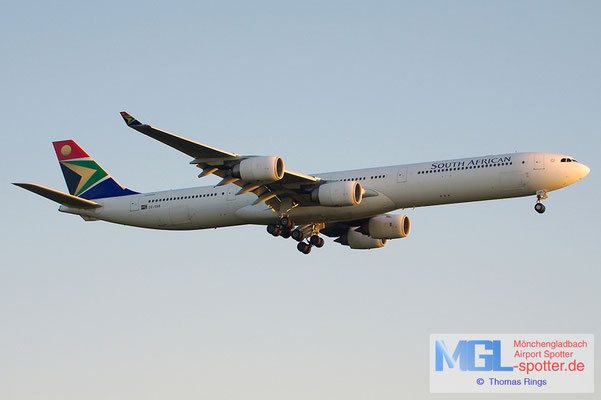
<point x="354" y="206"/>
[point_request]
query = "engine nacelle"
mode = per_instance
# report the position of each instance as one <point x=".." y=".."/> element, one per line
<point x="357" y="240"/>
<point x="260" y="169"/>
<point x="389" y="226"/>
<point x="338" y="194"/>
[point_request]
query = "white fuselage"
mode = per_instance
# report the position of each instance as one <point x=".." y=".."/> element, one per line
<point x="387" y="189"/>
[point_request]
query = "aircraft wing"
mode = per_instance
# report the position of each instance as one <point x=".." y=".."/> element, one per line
<point x="194" y="149"/>
<point x="220" y="162"/>
<point x="60" y="197"/>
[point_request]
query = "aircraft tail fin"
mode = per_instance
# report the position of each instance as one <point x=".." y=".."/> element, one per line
<point x="85" y="178"/>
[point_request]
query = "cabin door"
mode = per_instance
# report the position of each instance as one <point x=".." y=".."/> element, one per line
<point x="539" y="161"/>
<point x="402" y="175"/>
<point x="134" y="203"/>
<point x="230" y="192"/>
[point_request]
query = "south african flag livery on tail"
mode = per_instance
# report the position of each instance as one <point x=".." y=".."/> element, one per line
<point x="84" y="177"/>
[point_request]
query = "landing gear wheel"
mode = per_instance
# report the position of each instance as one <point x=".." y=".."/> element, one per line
<point x="286" y="222"/>
<point x="316" y="241"/>
<point x="298" y="235"/>
<point x="304" y="247"/>
<point x="539" y="208"/>
<point x="286" y="233"/>
<point x="274" y="229"/>
<point x="271" y="228"/>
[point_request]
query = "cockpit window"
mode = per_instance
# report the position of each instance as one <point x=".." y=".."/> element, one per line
<point x="568" y="160"/>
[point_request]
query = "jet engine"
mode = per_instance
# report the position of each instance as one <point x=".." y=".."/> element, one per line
<point x="388" y="227"/>
<point x="357" y="240"/>
<point x="338" y="194"/>
<point x="260" y="169"/>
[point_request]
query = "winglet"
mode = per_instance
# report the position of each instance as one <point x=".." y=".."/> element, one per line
<point x="129" y="120"/>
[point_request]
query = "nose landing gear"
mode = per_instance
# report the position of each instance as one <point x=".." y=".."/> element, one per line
<point x="540" y="207"/>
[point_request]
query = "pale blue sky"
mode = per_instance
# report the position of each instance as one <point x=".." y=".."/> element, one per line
<point x="101" y="311"/>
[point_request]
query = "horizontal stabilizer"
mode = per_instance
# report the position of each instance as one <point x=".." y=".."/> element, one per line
<point x="60" y="197"/>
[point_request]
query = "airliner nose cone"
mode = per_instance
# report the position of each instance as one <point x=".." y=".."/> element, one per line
<point x="585" y="170"/>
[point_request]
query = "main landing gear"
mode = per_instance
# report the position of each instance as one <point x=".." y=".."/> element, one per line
<point x="304" y="248"/>
<point x="284" y="228"/>
<point x="540" y="207"/>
